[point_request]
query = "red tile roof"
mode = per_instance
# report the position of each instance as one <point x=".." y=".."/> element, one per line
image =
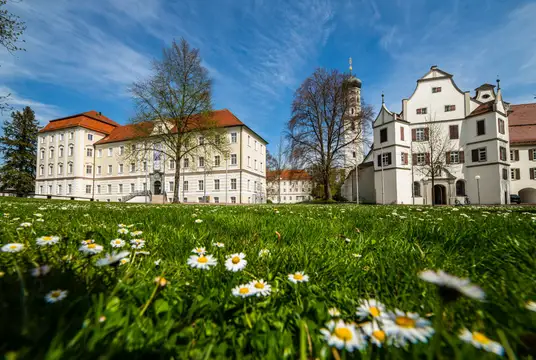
<point x="290" y="175"/>
<point x="91" y="120"/>
<point x="522" y="124"/>
<point x="482" y="109"/>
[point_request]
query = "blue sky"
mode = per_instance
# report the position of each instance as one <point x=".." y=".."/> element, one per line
<point x="83" y="55"/>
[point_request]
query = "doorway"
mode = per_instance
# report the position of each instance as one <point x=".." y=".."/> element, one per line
<point x="440" y="195"/>
<point x="157" y="187"/>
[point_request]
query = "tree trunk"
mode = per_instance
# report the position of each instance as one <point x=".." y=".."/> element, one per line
<point x="433" y="189"/>
<point x="327" y="188"/>
<point x="177" y="180"/>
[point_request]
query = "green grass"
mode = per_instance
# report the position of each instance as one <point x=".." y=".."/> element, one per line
<point x="196" y="317"/>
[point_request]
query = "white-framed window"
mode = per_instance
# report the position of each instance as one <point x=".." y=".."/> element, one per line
<point x="201" y="161"/>
<point x="88" y="189"/>
<point x="121" y="150"/>
<point x="60" y="169"/>
<point x="90" y="137"/>
<point x="261" y="167"/>
<point x="69" y="189"/>
<point x="42" y="141"/>
<point x="50" y="169"/>
<point x="51" y="138"/>
<point x="514" y="155"/>
<point x="99" y="169"/>
<point x="200" y="185"/>
<point x="110" y="169"/>
<point x="89" y="169"/>
<point x="145" y="166"/>
<point x="479" y="155"/>
<point x="110" y="151"/>
<point x="42" y="156"/>
<point x="70" y="168"/>
<point x="233" y="137"/>
<point x="262" y="149"/>
<point x="256" y="145"/>
<point x="185" y="186"/>
<point x="109" y="188"/>
<point x="89" y="152"/>
<point x="454" y="157"/>
<point x="41" y="170"/>
<point x="98" y="189"/>
<point x="61" y="137"/>
<point x="249" y="140"/>
<point x="99" y="153"/>
<point x="120" y="168"/>
<point x="249" y="161"/>
<point x="216" y="184"/>
<point x="501" y="126"/>
<point x="217" y="160"/>
<point x="233" y="199"/>
<point x="186" y="162"/>
<point x="172" y="164"/>
<point x="71" y="135"/>
<point x="120" y="189"/>
<point x="51" y="153"/>
<point x="421" y="158"/>
<point x="436" y="89"/>
<point x="171" y="186"/>
<point x="70" y="151"/>
<point x="60" y="152"/>
<point x="422" y="111"/>
<point x="248" y="184"/>
<point x="132" y="167"/>
<point x="216" y="200"/>
<point x="233" y="184"/>
<point x="255" y="162"/>
<point x="50" y="189"/>
<point x="132" y="187"/>
<point x="514" y="174"/>
<point x="233" y="159"/>
<point x="420" y="134"/>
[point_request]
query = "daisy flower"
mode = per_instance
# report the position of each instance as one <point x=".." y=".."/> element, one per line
<point x="38" y="215"/>
<point x="161" y="281"/>
<point x="47" y="240"/>
<point x="117" y="243"/>
<point x="137" y="244"/>
<point x="531" y="305"/>
<point x="40" y="220"/>
<point x="25" y="225"/>
<point x="40" y="271"/>
<point x="244" y="290"/>
<point x="123" y="261"/>
<point x="198" y="221"/>
<point x="218" y="244"/>
<point x="13" y="247"/>
<point x="91" y="249"/>
<point x="450" y="287"/>
<point x="481" y="341"/>
<point x="260" y="287"/>
<point x="370" y="308"/>
<point x="334" y="312"/>
<point x="202" y="262"/>
<point x="199" y="250"/>
<point x="298" y="276"/>
<point x="122" y="231"/>
<point x="343" y="336"/>
<point x="136" y="233"/>
<point x="55" y="296"/>
<point x="375" y="335"/>
<point x="264" y="252"/>
<point x="402" y="327"/>
<point x="112" y="259"/>
<point x="236" y="262"/>
<point x="121" y="226"/>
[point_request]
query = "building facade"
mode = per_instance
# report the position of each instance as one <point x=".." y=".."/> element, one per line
<point x="86" y="156"/>
<point x="289" y="186"/>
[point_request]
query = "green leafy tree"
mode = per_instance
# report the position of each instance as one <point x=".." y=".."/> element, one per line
<point x="18" y="146"/>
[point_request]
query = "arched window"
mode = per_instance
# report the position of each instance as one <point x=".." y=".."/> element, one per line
<point x="42" y="154"/>
<point x="460" y="188"/>
<point x="416" y="189"/>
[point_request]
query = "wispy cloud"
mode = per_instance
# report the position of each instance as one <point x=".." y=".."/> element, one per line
<point x="43" y="112"/>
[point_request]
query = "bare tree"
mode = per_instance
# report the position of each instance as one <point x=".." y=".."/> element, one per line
<point x="275" y="165"/>
<point x="432" y="151"/>
<point x="320" y="127"/>
<point x="174" y="112"/>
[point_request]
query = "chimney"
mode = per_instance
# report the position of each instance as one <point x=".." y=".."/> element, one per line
<point x="100" y="114"/>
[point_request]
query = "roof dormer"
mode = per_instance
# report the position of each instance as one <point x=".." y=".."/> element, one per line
<point x="485" y="93"/>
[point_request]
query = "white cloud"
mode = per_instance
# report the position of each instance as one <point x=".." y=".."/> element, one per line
<point x="43" y="112"/>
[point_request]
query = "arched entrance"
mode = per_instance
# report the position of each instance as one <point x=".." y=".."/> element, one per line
<point x="440" y="195"/>
<point x="157" y="187"/>
<point x="527" y="195"/>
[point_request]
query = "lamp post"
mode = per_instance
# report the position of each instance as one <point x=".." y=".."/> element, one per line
<point x="477" y="178"/>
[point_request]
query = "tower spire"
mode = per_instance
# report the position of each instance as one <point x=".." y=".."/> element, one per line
<point x="498" y="83"/>
<point x="383" y="98"/>
<point x="350" y="65"/>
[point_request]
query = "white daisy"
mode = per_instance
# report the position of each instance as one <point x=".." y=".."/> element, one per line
<point x="370" y="308"/>
<point x="123" y="261"/>
<point x="13" y="247"/>
<point x="91" y="249"/>
<point x="40" y="271"/>
<point x="451" y="286"/>
<point x="402" y="327"/>
<point x="531" y="305"/>
<point x="55" y="296"/>
<point x="261" y="287"/>
<point x="137" y="244"/>
<point x="481" y="341"/>
<point x="136" y="233"/>
<point x="199" y="250"/>
<point x="198" y="221"/>
<point x="117" y="243"/>
<point x="236" y="262"/>
<point x="218" y="244"/>
<point x="122" y="231"/>
<point x="264" y="252"/>
<point x="25" y="225"/>
<point x="202" y="262"/>
<point x="244" y="290"/>
<point x="375" y="335"/>
<point x="298" y="277"/>
<point x="112" y="259"/>
<point x="334" y="312"/>
<point x="343" y="336"/>
<point x="121" y="226"/>
<point x="47" y="240"/>
<point x="38" y="215"/>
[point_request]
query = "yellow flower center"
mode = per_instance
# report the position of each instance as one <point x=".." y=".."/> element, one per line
<point x="481" y="338"/>
<point x="298" y="277"/>
<point x="91" y="246"/>
<point x="405" y="322"/>
<point x="235" y="260"/>
<point x="259" y="285"/>
<point x="202" y="259"/>
<point x="118" y="241"/>
<point x="55" y="294"/>
<point x="244" y="290"/>
<point x="47" y="238"/>
<point x="343" y="333"/>
<point x="379" y="334"/>
<point x="374" y="311"/>
<point x="124" y="261"/>
<point x="13" y="247"/>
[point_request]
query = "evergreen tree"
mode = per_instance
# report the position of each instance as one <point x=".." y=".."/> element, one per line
<point x="18" y="147"/>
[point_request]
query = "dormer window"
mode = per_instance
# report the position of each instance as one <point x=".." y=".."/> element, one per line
<point x="436" y="90"/>
<point x="486" y="96"/>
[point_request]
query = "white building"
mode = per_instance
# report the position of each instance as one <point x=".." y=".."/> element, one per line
<point x="83" y="156"/>
<point x="289" y="187"/>
<point x="476" y="128"/>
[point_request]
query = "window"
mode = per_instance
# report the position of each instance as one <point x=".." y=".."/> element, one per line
<point x="144" y="186"/>
<point x="480" y="127"/>
<point x="120" y="189"/>
<point x="532" y="154"/>
<point x="479" y="155"/>
<point x="532" y="173"/>
<point x="383" y="135"/>
<point x="200" y="199"/>
<point x="420" y="134"/>
<point x="216" y="184"/>
<point x="71" y="135"/>
<point x="200" y="185"/>
<point x="502" y="153"/>
<point x="70" y="152"/>
<point x="61" y="137"/>
<point x="42" y="142"/>
<point x="256" y="145"/>
<point x="402" y="133"/>
<point x="454" y="157"/>
<point x="515" y="174"/>
<point x="453" y="131"/>
<point x="50" y="169"/>
<point x="186" y="162"/>
<point x="201" y="140"/>
<point x="421" y="158"/>
<point x="501" y="126"/>
<point x="460" y="188"/>
<point x="249" y="139"/>
<point x="42" y="154"/>
<point x="216" y="200"/>
<point x="384" y="159"/>
<point x="133" y="147"/>
<point x="185" y="186"/>
<point x="262" y="149"/>
<point x="121" y="150"/>
<point x="514" y="155"/>
<point x="60" y="169"/>
<point x="99" y="170"/>
<point x="422" y="111"/>
<point x="110" y="169"/>
<point x="416" y="189"/>
<point x="50" y="189"/>
<point x="98" y="189"/>
<point x="110" y="151"/>
<point x="505" y="173"/>
<point x="255" y="161"/>
<point x="233" y="159"/>
<point x="171" y="186"/>
<point x="172" y="164"/>
<point x="436" y="90"/>
<point x="51" y="138"/>
<point x="109" y="188"/>
<point x="132" y="187"/>
<point x="70" y="168"/>
<point x="89" y="152"/>
<point x="41" y="170"/>
<point x="233" y="138"/>
<point x="145" y="166"/>
<point x="261" y="166"/>
<point x="89" y="169"/>
<point x="88" y="189"/>
<point x="132" y="167"/>
<point x="404" y="158"/>
<point x="99" y="153"/>
<point x="233" y="199"/>
<point x="69" y="188"/>
<point x="233" y="184"/>
<point x="248" y="184"/>
<point x="450" y="108"/>
<point x="90" y="137"/>
<point x="249" y="161"/>
<point x="51" y="153"/>
<point x="201" y="161"/>
<point x="120" y="168"/>
<point x="217" y="160"/>
<point x="185" y="199"/>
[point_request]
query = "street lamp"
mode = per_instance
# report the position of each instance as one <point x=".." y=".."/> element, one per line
<point x="477" y="178"/>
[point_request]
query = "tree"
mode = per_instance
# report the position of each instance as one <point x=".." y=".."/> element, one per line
<point x="275" y="165"/>
<point x="18" y="146"/>
<point x="320" y="127"/>
<point x="433" y="146"/>
<point x="174" y="111"/>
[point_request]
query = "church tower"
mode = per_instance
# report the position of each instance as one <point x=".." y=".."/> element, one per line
<point x="353" y="153"/>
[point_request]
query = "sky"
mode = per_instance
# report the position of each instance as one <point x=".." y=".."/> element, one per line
<point x="84" y="55"/>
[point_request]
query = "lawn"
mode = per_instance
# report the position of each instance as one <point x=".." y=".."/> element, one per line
<point x="347" y="253"/>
